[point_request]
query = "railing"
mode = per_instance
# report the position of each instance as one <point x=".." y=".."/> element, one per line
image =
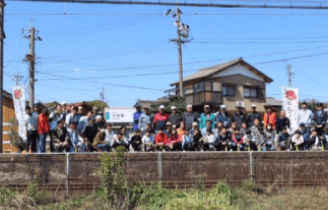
<point x="79" y="172"/>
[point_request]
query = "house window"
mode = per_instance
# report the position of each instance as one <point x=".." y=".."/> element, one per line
<point x="250" y="92"/>
<point x="198" y="87"/>
<point x="228" y="90"/>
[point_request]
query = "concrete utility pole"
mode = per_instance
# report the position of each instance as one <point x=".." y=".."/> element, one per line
<point x="18" y="78"/>
<point x="2" y="37"/>
<point x="31" y="59"/>
<point x="102" y="95"/>
<point x="290" y="75"/>
<point x="180" y="53"/>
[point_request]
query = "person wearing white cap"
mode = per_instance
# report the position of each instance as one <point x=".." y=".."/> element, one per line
<point x="252" y="116"/>
<point x="145" y="118"/>
<point x="175" y="117"/>
<point x="99" y="122"/>
<point x="223" y="116"/>
<point x="238" y="116"/>
<point x="160" y="118"/>
<point x="189" y="117"/>
<point x="207" y="115"/>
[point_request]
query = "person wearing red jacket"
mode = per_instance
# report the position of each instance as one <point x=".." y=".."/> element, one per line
<point x="161" y="140"/>
<point x="269" y="117"/>
<point x="43" y="130"/>
<point x="238" y="140"/>
<point x="175" y="141"/>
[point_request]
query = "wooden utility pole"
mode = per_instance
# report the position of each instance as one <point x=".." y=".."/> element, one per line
<point x="180" y="53"/>
<point x="31" y="59"/>
<point x="2" y="37"/>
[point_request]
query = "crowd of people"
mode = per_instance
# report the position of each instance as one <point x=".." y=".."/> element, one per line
<point x="71" y="131"/>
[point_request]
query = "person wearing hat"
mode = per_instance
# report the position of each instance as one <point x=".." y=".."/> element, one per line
<point x="206" y="116"/>
<point x="100" y="122"/>
<point x="175" y="117"/>
<point x="320" y="119"/>
<point x="160" y="118"/>
<point x="145" y="118"/>
<point x="189" y="117"/>
<point x="306" y="135"/>
<point x="305" y="116"/>
<point x="238" y="116"/>
<point x="136" y="117"/>
<point x="269" y="117"/>
<point x="192" y="130"/>
<point x="223" y="116"/>
<point x="284" y="140"/>
<point x="252" y="116"/>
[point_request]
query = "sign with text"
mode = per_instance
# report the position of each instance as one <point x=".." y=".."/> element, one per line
<point x="290" y="105"/>
<point x="119" y="115"/>
<point x="18" y="94"/>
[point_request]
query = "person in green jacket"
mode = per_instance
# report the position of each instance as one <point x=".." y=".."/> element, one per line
<point x="207" y="115"/>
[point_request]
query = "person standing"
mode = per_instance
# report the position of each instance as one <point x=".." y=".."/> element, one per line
<point x="136" y="117"/>
<point x="31" y="131"/>
<point x="175" y="118"/>
<point x="95" y="112"/>
<point x="72" y="117"/>
<point x="305" y="116"/>
<point x="43" y="130"/>
<point x="144" y="119"/>
<point x="160" y="119"/>
<point x="238" y="116"/>
<point x="269" y="117"/>
<point x="64" y="110"/>
<point x="54" y="117"/>
<point x="282" y="122"/>
<point x="320" y="119"/>
<point x="206" y="116"/>
<point x="189" y="117"/>
<point x="252" y="116"/>
<point x="223" y="116"/>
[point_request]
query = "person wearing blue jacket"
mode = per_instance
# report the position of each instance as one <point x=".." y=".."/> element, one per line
<point x="306" y="136"/>
<point x="136" y="117"/>
<point x="207" y="115"/>
<point x="223" y="116"/>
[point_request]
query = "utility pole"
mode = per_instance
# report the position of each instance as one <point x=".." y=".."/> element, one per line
<point x="2" y="37"/>
<point x="102" y="96"/>
<point x="31" y="59"/>
<point x="290" y="75"/>
<point x="18" y="78"/>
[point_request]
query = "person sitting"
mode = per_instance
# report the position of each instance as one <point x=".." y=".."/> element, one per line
<point x="270" y="137"/>
<point x="243" y="128"/>
<point x="161" y="140"/>
<point x="192" y="130"/>
<point x="261" y="141"/>
<point x="255" y="127"/>
<point x="325" y="137"/>
<point x="136" y="140"/>
<point x="249" y="141"/>
<point x="238" y="140"/>
<point x="60" y="137"/>
<point x="109" y="134"/>
<point x="218" y="129"/>
<point x="196" y="139"/>
<point x="181" y="129"/>
<point x="76" y="143"/>
<point x="232" y="128"/>
<point x="284" y="140"/>
<point x="208" y="126"/>
<point x="168" y="130"/>
<point x="147" y="142"/>
<point x="224" y="140"/>
<point x="306" y="135"/>
<point x="174" y="141"/>
<point x="120" y="140"/>
<point x="209" y="141"/>
<point x="187" y="142"/>
<point x="297" y="140"/>
<point x="99" y="143"/>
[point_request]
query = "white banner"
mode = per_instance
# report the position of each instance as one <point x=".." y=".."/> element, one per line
<point x="290" y="105"/>
<point x="18" y="93"/>
<point x="119" y="115"/>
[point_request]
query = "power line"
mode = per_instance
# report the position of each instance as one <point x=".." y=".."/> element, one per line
<point x="160" y="14"/>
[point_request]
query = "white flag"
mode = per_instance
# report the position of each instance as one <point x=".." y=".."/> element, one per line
<point x="18" y="93"/>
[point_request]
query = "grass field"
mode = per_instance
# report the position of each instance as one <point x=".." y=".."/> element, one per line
<point x="141" y="197"/>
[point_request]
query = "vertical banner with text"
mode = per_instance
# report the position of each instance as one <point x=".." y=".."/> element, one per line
<point x="290" y="105"/>
<point x="18" y="94"/>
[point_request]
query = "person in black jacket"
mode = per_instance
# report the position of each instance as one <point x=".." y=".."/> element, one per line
<point x="89" y="132"/>
<point x="175" y="118"/>
<point x="136" y="140"/>
<point x="320" y="119"/>
<point x="282" y="121"/>
<point x="60" y="137"/>
<point x="238" y="116"/>
<point x="252" y="116"/>
<point x="189" y="117"/>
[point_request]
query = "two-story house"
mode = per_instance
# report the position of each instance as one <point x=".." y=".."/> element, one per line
<point x="228" y="83"/>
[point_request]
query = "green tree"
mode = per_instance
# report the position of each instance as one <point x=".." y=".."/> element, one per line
<point x="179" y="102"/>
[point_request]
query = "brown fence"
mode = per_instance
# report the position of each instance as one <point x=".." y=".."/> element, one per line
<point x="80" y="172"/>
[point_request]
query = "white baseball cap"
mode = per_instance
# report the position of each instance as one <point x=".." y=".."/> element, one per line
<point x="98" y="117"/>
<point x="206" y="106"/>
<point x="63" y="103"/>
<point x="162" y="107"/>
<point x="173" y="107"/>
<point x="189" y="106"/>
<point x="223" y="106"/>
<point x="195" y="123"/>
<point x="80" y="107"/>
<point x="253" y="105"/>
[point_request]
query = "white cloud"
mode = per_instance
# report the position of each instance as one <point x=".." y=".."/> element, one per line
<point x="92" y="72"/>
<point x="77" y="70"/>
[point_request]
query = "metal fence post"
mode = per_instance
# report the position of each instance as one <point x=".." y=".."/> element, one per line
<point x="67" y="175"/>
<point x="251" y="166"/>
<point x="159" y="165"/>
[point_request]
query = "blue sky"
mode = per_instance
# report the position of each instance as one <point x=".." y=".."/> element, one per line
<point x="114" y="46"/>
